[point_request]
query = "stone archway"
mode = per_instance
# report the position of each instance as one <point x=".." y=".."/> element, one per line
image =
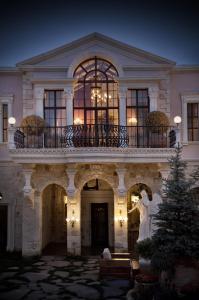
<point x="54" y="213"/>
<point x="137" y="214"/>
<point x="97" y="215"/>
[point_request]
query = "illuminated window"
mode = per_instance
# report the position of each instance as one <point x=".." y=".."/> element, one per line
<point x="96" y="93"/>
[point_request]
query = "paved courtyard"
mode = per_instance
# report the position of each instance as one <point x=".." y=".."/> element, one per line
<point x="57" y="277"/>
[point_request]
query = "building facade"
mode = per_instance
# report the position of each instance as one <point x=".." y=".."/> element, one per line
<point x="91" y="175"/>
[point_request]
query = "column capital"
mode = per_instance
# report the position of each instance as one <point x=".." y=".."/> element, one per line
<point x="121" y="171"/>
<point x="71" y="172"/>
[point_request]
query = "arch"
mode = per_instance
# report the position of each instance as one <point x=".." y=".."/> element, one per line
<point x="96" y="98"/>
<point x="58" y="182"/>
<point x="87" y="177"/>
<point x="138" y="187"/>
<point x="86" y="55"/>
<point x="97" y="213"/>
<point x="54" y="214"/>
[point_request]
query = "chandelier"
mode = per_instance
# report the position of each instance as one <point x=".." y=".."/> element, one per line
<point x="96" y="94"/>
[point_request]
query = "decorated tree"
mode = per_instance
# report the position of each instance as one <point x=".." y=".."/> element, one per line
<point x="177" y="233"/>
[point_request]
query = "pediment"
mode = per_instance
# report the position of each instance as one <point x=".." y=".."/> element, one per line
<point x="95" y="44"/>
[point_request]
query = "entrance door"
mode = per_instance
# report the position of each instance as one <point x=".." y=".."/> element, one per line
<point x="99" y="224"/>
<point x="3" y="227"/>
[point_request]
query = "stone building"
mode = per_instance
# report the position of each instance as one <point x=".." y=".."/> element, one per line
<point x="77" y="180"/>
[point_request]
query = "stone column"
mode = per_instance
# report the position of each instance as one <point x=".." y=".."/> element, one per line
<point x="39" y="98"/>
<point x="153" y="95"/>
<point x="69" y="104"/>
<point x="120" y="212"/>
<point x="122" y="105"/>
<point x="31" y="219"/>
<point x="11" y="133"/>
<point x="73" y="213"/>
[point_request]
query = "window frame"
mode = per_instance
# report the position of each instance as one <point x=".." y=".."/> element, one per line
<point x="96" y="83"/>
<point x="53" y="108"/>
<point x="187" y="98"/>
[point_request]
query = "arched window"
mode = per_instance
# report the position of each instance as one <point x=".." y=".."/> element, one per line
<point x="96" y="93"/>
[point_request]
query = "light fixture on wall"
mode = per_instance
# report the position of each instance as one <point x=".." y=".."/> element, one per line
<point x="1" y="196"/>
<point x="177" y="120"/>
<point x="65" y="200"/>
<point x="121" y="219"/>
<point x="12" y="121"/>
<point x="72" y="220"/>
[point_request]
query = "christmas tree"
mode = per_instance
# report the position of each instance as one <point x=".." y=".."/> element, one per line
<point x="177" y="233"/>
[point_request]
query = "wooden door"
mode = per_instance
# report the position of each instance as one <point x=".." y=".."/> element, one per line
<point x="99" y="224"/>
<point x="3" y="227"/>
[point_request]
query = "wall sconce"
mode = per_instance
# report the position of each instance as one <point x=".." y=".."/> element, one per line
<point x="65" y="200"/>
<point x="1" y="196"/>
<point x="121" y="219"/>
<point x="72" y="220"/>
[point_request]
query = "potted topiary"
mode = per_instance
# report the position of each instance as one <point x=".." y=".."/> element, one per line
<point x="145" y="250"/>
<point x="33" y="128"/>
<point x="157" y="123"/>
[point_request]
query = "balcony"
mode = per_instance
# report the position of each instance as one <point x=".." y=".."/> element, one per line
<point x="91" y="144"/>
<point x="95" y="136"/>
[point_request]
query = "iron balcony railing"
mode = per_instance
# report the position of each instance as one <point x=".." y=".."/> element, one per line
<point x="95" y="136"/>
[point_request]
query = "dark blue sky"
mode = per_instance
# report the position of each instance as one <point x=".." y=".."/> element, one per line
<point x="170" y="30"/>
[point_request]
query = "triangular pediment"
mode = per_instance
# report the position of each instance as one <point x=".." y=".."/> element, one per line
<point x="95" y="44"/>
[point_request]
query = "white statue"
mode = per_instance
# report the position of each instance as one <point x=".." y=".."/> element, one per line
<point x="142" y="206"/>
<point x="153" y="210"/>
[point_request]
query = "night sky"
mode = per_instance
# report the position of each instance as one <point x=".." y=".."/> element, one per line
<point x="169" y="29"/>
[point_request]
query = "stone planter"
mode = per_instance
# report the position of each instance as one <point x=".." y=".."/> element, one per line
<point x="145" y="265"/>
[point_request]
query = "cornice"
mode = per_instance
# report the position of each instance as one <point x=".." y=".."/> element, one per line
<point x="185" y="68"/>
<point x="97" y="155"/>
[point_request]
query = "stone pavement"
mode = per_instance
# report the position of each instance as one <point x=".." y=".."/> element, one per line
<point x="53" y="277"/>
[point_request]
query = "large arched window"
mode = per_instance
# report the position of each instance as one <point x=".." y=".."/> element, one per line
<point x="96" y="93"/>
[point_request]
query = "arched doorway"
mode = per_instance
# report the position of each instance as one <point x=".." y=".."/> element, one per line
<point x="134" y="196"/>
<point x="97" y="216"/>
<point x="54" y="213"/>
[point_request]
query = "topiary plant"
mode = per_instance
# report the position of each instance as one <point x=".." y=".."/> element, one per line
<point x="33" y="125"/>
<point x="145" y="248"/>
<point x="157" y="121"/>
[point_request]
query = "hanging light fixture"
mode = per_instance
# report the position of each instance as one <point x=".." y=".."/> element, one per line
<point x="97" y="95"/>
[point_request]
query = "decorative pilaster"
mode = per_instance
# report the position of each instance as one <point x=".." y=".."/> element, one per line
<point x="121" y="186"/>
<point x="164" y="174"/>
<point x="122" y="105"/>
<point x="71" y="171"/>
<point x="153" y="95"/>
<point x="73" y="213"/>
<point x="31" y="220"/>
<point x="69" y="104"/>
<point x="11" y="134"/>
<point x="120" y="213"/>
<point x="39" y="98"/>
<point x="120" y="224"/>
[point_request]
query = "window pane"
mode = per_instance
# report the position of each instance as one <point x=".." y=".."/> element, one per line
<point x="78" y="116"/>
<point x="193" y="121"/>
<point x="60" y="101"/>
<point x="5" y="122"/>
